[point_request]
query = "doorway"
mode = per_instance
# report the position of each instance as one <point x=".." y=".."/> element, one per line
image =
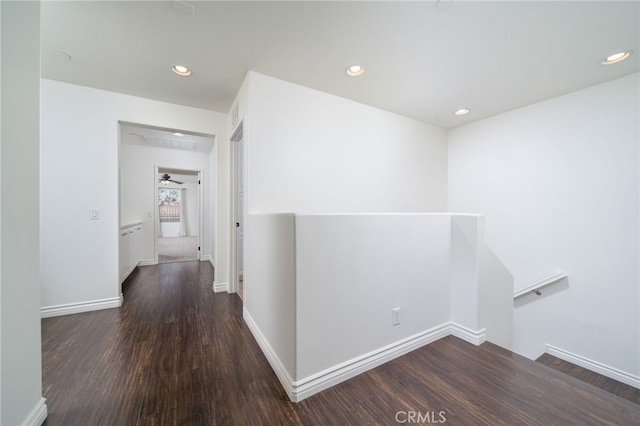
<point x="178" y="215"/>
<point x="146" y="154"/>
<point x="237" y="207"/>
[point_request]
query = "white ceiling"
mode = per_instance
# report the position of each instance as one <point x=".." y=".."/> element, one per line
<point x="421" y="60"/>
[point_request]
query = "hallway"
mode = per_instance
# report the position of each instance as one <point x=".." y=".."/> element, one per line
<point x="176" y="353"/>
<point x="177" y="249"/>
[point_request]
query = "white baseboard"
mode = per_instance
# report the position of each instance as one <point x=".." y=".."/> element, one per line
<point x="220" y="287"/>
<point x="318" y="382"/>
<point x="468" y="335"/>
<point x="38" y="415"/>
<point x="207" y="258"/>
<point x="595" y="366"/>
<point x="308" y="386"/>
<point x="148" y="262"/>
<point x="270" y="354"/>
<point x="76" y="308"/>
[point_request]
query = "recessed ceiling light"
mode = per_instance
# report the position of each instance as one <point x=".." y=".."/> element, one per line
<point x="181" y="70"/>
<point x="444" y="4"/>
<point x="462" y="111"/>
<point x="355" y="70"/>
<point x="178" y="134"/>
<point x="616" y="57"/>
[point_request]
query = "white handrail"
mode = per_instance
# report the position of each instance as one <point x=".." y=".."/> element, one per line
<point x="536" y="286"/>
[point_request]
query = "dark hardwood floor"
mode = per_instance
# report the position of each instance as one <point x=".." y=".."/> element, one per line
<point x="603" y="382"/>
<point x="178" y="354"/>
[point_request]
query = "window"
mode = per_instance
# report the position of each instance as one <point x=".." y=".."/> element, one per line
<point x="169" y="204"/>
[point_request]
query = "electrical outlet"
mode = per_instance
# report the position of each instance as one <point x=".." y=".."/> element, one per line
<point x="395" y="316"/>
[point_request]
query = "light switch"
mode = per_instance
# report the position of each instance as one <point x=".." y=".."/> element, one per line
<point x="94" y="214"/>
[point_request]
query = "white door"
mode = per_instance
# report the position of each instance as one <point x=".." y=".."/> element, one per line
<point x="239" y="198"/>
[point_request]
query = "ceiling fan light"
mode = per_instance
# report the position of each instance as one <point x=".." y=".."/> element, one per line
<point x="166" y="178"/>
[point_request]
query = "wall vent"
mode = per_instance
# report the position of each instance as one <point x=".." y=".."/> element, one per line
<point x="235" y="115"/>
<point x="169" y="143"/>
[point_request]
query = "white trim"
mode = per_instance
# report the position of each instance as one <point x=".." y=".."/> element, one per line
<point x="38" y="415"/>
<point x="207" y="258"/>
<point x="270" y="354"/>
<point x="220" y="287"/>
<point x="318" y="382"/>
<point x="304" y="388"/>
<point x="148" y="262"/>
<point x="595" y="366"/>
<point x="156" y="214"/>
<point x="75" y="308"/>
<point x="237" y="136"/>
<point x="475" y="337"/>
<point x="201" y="211"/>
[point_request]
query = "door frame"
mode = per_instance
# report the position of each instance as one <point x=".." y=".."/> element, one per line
<point x="236" y="137"/>
<point x="156" y="213"/>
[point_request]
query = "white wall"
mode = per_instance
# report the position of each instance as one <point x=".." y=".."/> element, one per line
<point x="219" y="161"/>
<point x="353" y="270"/>
<point x="79" y="170"/>
<point x="269" y="305"/>
<point x="495" y="296"/>
<point x="464" y="270"/>
<point x="191" y="215"/>
<point x="20" y="368"/>
<point x="559" y="184"/>
<point x="308" y="151"/>
<point x="138" y="177"/>
<point x="324" y="287"/>
<point x="1" y="118"/>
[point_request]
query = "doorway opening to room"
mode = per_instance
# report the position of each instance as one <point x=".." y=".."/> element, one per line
<point x="179" y="220"/>
<point x="146" y="154"/>
<point x="237" y="213"/>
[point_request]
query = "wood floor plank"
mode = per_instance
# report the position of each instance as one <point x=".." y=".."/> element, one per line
<point x="610" y="385"/>
<point x="80" y="402"/>
<point x="176" y="353"/>
<point x="124" y="404"/>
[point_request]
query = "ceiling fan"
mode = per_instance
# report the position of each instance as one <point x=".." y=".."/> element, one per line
<point x="165" y="179"/>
